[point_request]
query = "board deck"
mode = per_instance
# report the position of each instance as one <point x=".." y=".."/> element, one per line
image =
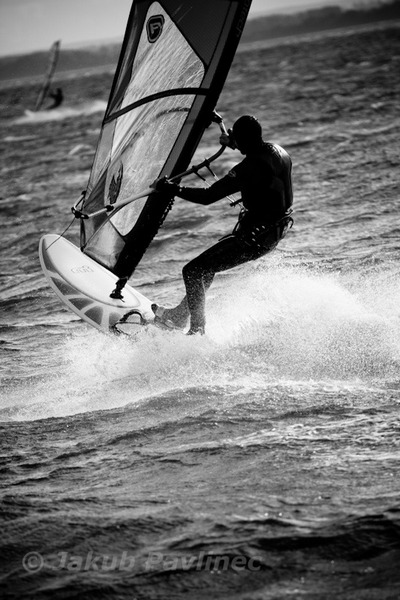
<point x="84" y="286"/>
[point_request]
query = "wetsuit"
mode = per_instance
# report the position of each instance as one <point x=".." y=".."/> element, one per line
<point x="58" y="97"/>
<point x="264" y="180"/>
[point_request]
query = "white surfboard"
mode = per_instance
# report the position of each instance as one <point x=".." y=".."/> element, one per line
<point x="85" y="286"/>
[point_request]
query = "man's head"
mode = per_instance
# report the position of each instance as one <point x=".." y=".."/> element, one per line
<point x="247" y="134"/>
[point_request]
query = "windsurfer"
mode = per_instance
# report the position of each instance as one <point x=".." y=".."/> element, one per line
<point x="57" y="96"/>
<point x="264" y="179"/>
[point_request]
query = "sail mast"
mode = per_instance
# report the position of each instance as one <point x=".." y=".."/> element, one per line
<point x="51" y="67"/>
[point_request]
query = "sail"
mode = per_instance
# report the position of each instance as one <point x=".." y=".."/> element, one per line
<point x="54" y="53"/>
<point x="173" y="64"/>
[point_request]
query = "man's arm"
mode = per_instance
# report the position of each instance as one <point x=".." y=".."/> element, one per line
<point x="220" y="189"/>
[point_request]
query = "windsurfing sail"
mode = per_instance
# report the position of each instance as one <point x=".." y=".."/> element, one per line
<point x="174" y="61"/>
<point x="51" y="67"/>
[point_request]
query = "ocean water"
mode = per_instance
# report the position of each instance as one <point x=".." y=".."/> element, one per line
<point x="262" y="460"/>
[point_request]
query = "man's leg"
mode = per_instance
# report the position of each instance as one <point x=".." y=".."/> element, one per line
<point x="197" y="281"/>
<point x="199" y="273"/>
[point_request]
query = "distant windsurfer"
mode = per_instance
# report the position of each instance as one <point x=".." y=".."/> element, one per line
<point x="264" y="180"/>
<point x="57" y="96"/>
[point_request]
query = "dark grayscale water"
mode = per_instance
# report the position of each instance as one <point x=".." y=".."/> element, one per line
<point x="261" y="461"/>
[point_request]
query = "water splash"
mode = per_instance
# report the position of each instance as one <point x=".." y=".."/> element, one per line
<point x="272" y="325"/>
<point x="59" y="114"/>
<point x="311" y="324"/>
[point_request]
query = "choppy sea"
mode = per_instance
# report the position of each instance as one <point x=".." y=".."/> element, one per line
<point x="262" y="460"/>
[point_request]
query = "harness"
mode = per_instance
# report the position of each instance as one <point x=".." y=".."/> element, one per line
<point x="261" y="236"/>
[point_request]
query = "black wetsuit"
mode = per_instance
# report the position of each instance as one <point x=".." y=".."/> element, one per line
<point x="58" y="97"/>
<point x="264" y="180"/>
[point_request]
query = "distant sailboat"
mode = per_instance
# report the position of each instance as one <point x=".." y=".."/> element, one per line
<point x="53" y="59"/>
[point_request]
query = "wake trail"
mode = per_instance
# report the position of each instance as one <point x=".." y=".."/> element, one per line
<point x="61" y="113"/>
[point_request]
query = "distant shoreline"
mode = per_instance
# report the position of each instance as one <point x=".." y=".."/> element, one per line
<point x="318" y="20"/>
<point x="259" y="32"/>
<point x="248" y="46"/>
<point x="314" y="35"/>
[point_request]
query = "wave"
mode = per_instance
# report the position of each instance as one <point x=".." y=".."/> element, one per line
<point x="61" y="113"/>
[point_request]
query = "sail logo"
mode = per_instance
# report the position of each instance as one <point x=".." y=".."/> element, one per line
<point x="242" y="19"/>
<point x="82" y="269"/>
<point x="115" y="185"/>
<point x="154" y="28"/>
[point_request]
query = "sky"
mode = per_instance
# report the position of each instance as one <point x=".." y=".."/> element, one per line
<point x="29" y="25"/>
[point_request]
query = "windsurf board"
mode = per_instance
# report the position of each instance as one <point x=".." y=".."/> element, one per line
<point x="84" y="286"/>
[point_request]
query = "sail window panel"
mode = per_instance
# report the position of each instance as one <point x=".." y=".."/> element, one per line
<point x="105" y="245"/>
<point x="144" y="136"/>
<point x="156" y="125"/>
<point x="166" y="85"/>
<point x="166" y="64"/>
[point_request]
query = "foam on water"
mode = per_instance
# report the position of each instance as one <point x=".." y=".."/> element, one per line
<point x="306" y="313"/>
<point x="61" y="113"/>
<point x="271" y="326"/>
